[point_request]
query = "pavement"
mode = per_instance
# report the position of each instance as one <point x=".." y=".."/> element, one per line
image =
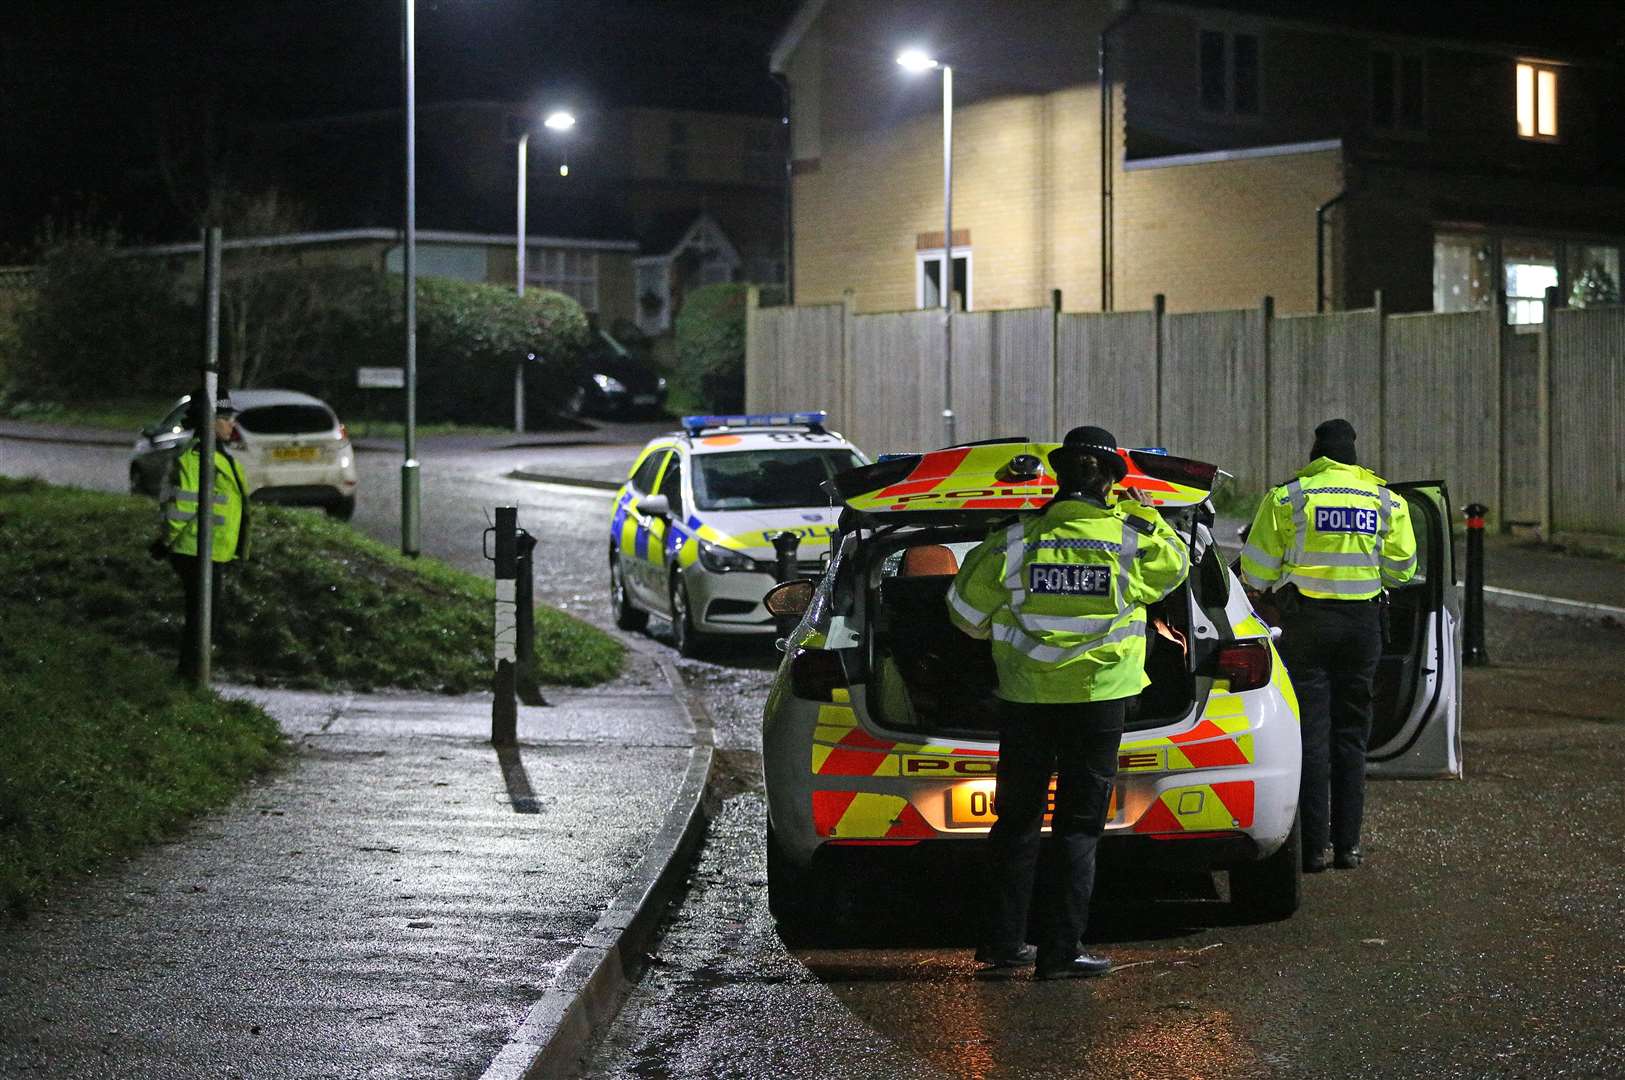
<point x="401" y="900"/>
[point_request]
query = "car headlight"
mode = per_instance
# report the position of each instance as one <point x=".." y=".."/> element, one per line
<point x="609" y="384"/>
<point x="721" y="560"/>
<point x="660" y="383"/>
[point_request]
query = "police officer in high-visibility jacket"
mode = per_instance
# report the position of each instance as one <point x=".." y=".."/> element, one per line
<point x="1062" y="596"/>
<point x="178" y="525"/>
<point x="1326" y="544"/>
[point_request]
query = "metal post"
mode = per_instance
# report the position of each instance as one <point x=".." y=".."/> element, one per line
<point x="948" y="255"/>
<point x="519" y="287"/>
<point x="410" y="482"/>
<point x="529" y="688"/>
<point x="202" y="622"/>
<point x="504" y="710"/>
<point x="1474" y="654"/>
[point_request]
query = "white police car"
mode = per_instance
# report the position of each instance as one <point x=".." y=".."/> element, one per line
<point x="880" y="732"/>
<point x="691" y="536"/>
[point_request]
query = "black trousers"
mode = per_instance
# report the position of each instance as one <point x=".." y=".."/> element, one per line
<point x="1331" y="649"/>
<point x="1077" y="743"/>
<point x="185" y="567"/>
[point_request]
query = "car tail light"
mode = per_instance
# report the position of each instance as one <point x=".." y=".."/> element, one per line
<point x="344" y="433"/>
<point x="1244" y="664"/>
<point x="815" y="674"/>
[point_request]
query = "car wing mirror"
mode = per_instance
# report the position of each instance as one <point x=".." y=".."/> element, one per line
<point x="655" y="506"/>
<point x="789" y="599"/>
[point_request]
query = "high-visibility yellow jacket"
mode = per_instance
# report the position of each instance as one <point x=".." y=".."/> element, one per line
<point x="1335" y="531"/>
<point x="177" y="505"/>
<point x="1062" y="595"/>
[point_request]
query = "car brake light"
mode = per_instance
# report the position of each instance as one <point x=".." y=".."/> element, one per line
<point x="815" y="674"/>
<point x="1245" y="665"/>
<point x="344" y="433"/>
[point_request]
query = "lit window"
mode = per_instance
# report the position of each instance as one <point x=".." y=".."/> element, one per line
<point x="1537" y="101"/>
<point x="1529" y="268"/>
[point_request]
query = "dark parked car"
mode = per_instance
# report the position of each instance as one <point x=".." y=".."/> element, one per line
<point x="610" y="382"/>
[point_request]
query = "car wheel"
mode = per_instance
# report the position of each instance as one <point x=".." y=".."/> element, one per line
<point x="689" y="641"/>
<point x="1271" y="889"/>
<point x="343" y="510"/>
<point x="627" y="617"/>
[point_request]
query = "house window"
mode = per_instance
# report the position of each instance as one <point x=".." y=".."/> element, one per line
<point x="1231" y="77"/>
<point x="1398" y="100"/>
<point x="928" y="278"/>
<point x="569" y="271"/>
<point x="1463" y="272"/>
<point x="1592" y="274"/>
<point x="1530" y="268"/>
<point x="1537" y="101"/>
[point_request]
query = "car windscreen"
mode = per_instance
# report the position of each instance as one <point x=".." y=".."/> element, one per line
<point x="287" y="420"/>
<point x="767" y="479"/>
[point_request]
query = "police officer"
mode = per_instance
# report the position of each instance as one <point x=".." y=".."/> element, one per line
<point x="1326" y="544"/>
<point x="1062" y="595"/>
<point x="178" y="526"/>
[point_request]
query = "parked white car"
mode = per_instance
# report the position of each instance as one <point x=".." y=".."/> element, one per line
<point x="291" y="447"/>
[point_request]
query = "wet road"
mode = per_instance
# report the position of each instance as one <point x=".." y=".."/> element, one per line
<point x="1480" y="939"/>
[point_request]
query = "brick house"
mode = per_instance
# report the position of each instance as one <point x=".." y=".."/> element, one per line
<point x="1248" y="149"/>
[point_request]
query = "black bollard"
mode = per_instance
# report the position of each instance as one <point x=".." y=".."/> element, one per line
<point x="1474" y="654"/>
<point x="504" y="710"/>
<point x="784" y="547"/>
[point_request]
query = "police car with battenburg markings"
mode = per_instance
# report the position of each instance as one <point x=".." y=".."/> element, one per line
<point x="880" y="739"/>
<point x="691" y="536"/>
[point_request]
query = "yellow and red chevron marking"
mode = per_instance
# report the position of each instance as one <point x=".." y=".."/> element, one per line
<point x="968" y="478"/>
<point x="862" y="815"/>
<point x="1200" y="808"/>
<point x="1222" y="737"/>
<point x="841" y="748"/>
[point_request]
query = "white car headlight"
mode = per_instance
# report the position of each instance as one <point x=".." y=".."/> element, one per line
<point x="721" y="560"/>
<point x="660" y="383"/>
<point x="609" y="384"/>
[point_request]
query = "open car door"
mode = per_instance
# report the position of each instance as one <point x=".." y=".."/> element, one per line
<point x="1416" y="727"/>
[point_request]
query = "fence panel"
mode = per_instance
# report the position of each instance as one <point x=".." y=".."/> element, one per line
<point x="1213" y="391"/>
<point x="1442" y="398"/>
<point x="1588" y="434"/>
<point x="793" y="360"/>
<point x="1021" y="375"/>
<point x="1523" y="387"/>
<point x="975" y="358"/>
<point x="1322" y="366"/>
<point x="1106" y="374"/>
<point x="896" y="371"/>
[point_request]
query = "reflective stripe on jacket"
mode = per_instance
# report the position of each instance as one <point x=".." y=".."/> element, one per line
<point x="1062" y="595"/>
<point x="177" y="505"/>
<point x="1335" y="531"/>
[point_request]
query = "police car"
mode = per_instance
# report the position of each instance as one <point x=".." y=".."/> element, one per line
<point x="691" y="538"/>
<point x="879" y="733"/>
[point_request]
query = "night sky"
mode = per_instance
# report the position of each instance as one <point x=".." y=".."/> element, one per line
<point x="90" y="91"/>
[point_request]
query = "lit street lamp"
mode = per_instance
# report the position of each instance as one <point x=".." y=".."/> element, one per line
<point x="917" y="62"/>
<point x="559" y="121"/>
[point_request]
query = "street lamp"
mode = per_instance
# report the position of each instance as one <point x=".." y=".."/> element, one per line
<point x="411" y="488"/>
<point x="917" y="62"/>
<point x="559" y="121"/>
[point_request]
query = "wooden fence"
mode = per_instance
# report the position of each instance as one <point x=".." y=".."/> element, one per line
<point x="1525" y="419"/>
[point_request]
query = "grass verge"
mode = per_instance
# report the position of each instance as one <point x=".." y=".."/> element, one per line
<point x="318" y="606"/>
<point x="90" y="773"/>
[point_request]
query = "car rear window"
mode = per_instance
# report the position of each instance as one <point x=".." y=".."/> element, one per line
<point x="287" y="420"/>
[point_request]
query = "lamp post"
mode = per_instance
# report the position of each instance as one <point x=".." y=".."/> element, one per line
<point x="917" y="62"/>
<point x="410" y="481"/>
<point x="560" y="121"/>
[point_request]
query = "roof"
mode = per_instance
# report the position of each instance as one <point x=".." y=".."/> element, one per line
<point x="424" y="236"/>
<point x="669" y="233"/>
<point x="800" y="23"/>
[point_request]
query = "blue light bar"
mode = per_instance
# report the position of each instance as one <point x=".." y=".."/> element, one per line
<point x="696" y="424"/>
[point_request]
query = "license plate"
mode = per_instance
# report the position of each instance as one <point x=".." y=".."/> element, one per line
<point x="294" y="453"/>
<point x="644" y="399"/>
<point x="971" y="805"/>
